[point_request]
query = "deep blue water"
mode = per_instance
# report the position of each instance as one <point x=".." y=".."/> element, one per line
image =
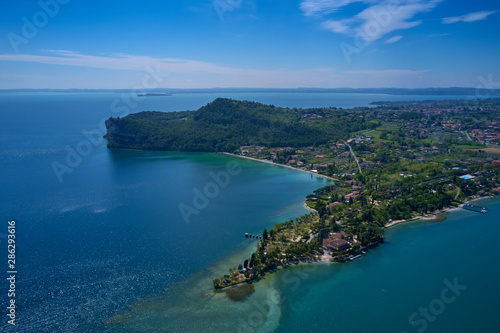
<point x="105" y="234"/>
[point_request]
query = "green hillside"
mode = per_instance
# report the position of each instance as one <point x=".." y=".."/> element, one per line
<point x="225" y="125"/>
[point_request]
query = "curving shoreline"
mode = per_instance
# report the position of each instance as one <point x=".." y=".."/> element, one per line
<point x="429" y="216"/>
<point x="281" y="165"/>
<point x="326" y="257"/>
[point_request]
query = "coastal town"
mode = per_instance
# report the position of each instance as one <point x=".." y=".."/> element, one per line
<point x="416" y="161"/>
<point x="384" y="164"/>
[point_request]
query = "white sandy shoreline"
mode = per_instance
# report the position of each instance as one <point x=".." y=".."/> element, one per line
<point x="326" y="257"/>
<point x="432" y="215"/>
<point x="281" y="165"/>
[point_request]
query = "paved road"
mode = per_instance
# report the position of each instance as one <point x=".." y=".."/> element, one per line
<point x="355" y="158"/>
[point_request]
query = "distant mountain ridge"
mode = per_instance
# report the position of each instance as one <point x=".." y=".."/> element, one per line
<point x="478" y="92"/>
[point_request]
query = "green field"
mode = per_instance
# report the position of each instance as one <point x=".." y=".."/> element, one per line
<point x="469" y="146"/>
<point x="376" y="135"/>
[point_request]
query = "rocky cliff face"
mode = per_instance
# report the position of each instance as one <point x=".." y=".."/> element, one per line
<point x="116" y="136"/>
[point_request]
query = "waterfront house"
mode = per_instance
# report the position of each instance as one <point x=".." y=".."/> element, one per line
<point x="336" y="242"/>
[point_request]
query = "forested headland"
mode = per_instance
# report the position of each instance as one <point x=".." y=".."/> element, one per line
<point x="225" y="125"/>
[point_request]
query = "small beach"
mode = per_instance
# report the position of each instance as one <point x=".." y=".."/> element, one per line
<point x="431" y="216"/>
<point x="281" y="165"/>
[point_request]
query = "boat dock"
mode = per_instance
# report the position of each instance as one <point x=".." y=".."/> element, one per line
<point x="247" y="235"/>
<point x="354" y="257"/>
<point x="477" y="209"/>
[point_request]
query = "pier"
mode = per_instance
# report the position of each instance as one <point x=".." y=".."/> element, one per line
<point x="247" y="235"/>
<point x="477" y="209"/>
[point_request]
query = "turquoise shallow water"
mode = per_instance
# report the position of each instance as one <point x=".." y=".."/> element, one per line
<point x="382" y="290"/>
<point x="406" y="280"/>
<point x="110" y="239"/>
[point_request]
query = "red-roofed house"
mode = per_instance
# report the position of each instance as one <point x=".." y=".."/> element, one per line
<point x="336" y="242"/>
<point x="333" y="204"/>
<point x="352" y="195"/>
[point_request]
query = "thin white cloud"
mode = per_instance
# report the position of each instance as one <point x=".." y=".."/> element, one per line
<point x="181" y="72"/>
<point x="116" y="61"/>
<point x="128" y="71"/>
<point x="440" y="35"/>
<point x="376" y="20"/>
<point x="387" y="73"/>
<point x="393" y="39"/>
<point x="336" y="26"/>
<point x="389" y="78"/>
<point x="322" y="7"/>
<point x="471" y="17"/>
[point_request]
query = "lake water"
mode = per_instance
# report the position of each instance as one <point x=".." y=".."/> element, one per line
<point x="102" y="245"/>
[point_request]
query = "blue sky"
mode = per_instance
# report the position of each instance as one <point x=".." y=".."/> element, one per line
<point x="249" y="43"/>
